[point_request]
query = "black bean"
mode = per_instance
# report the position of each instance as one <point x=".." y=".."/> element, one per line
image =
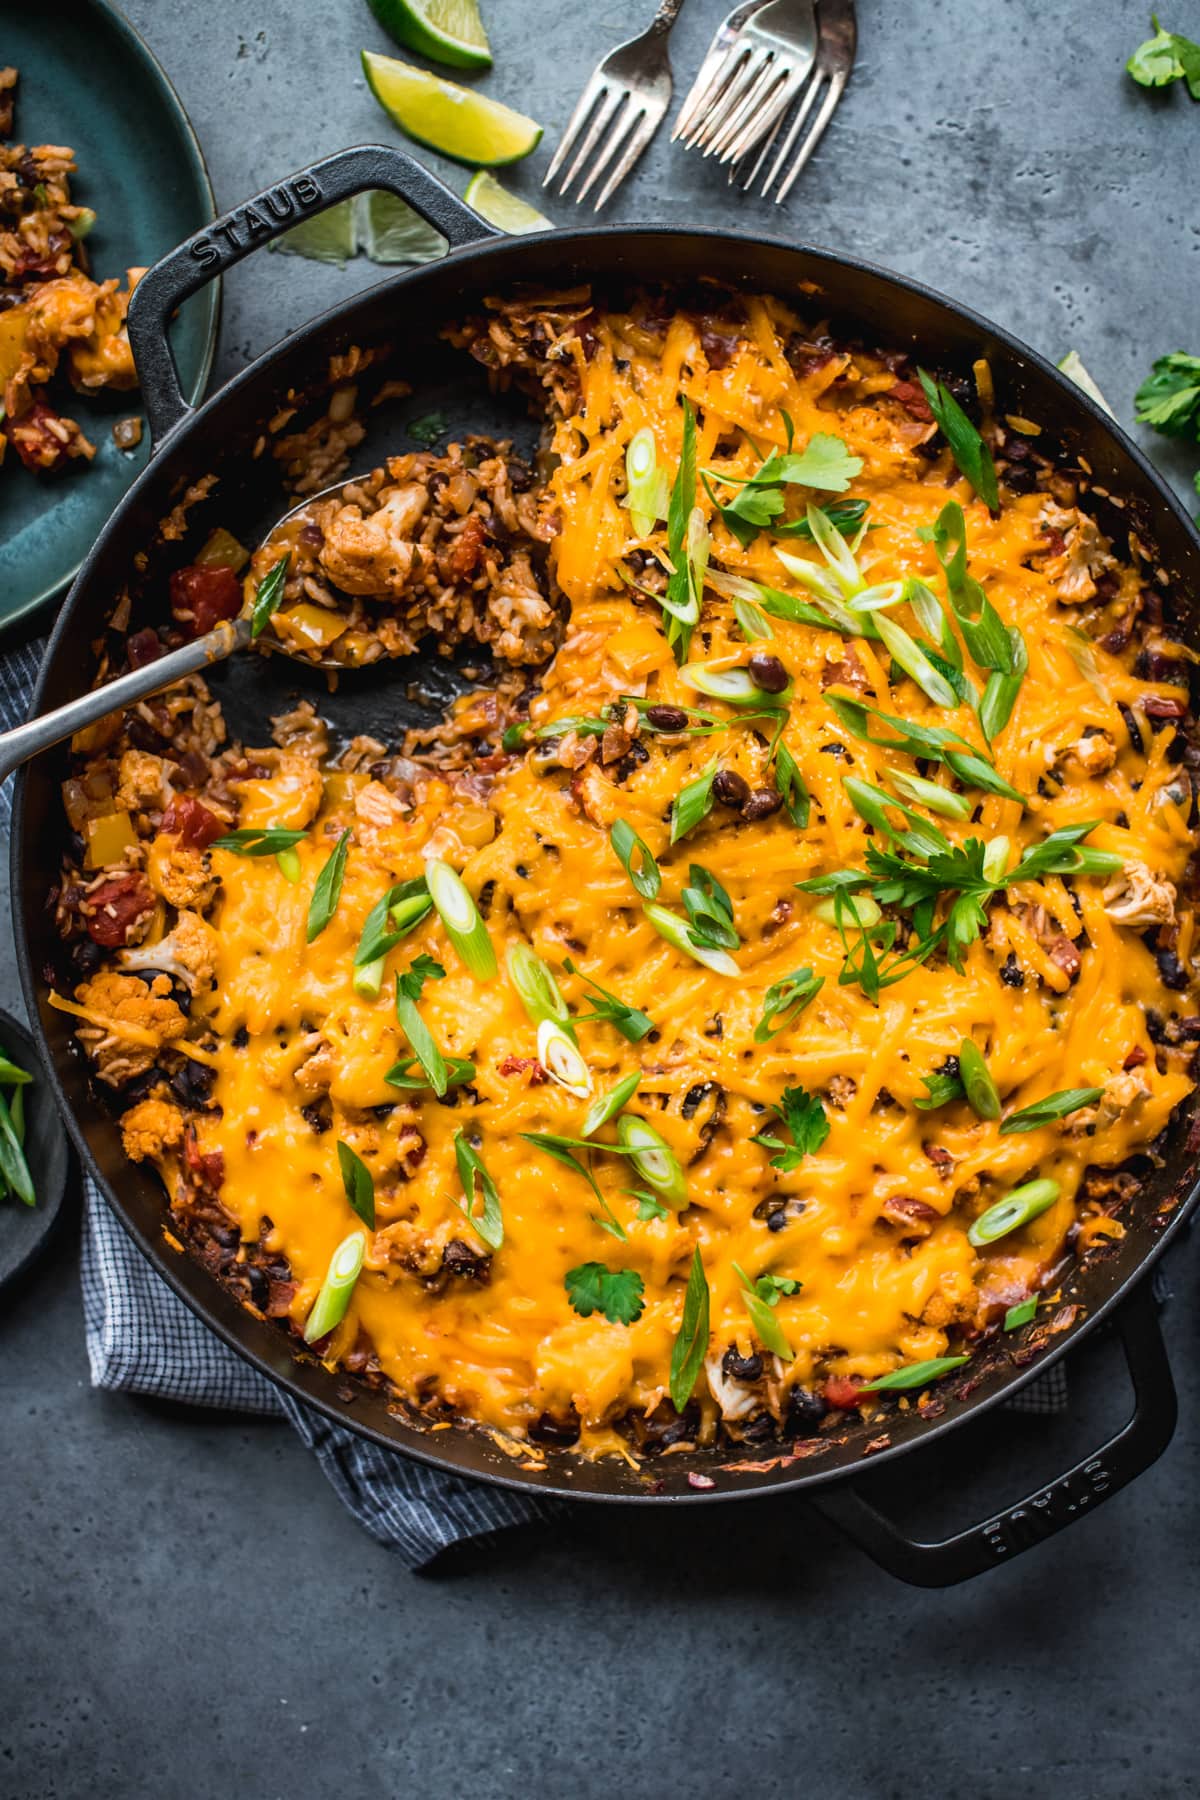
<point x="241" y="1038"/>
<point x="667" y="718"/>
<point x="694" y="1097"/>
<point x="459" y="1259"/>
<point x="1010" y="974"/>
<point x="260" y="1287"/>
<point x="777" y="1220"/>
<point x="193" y="1084"/>
<point x="805" y="1410"/>
<point x="761" y="804"/>
<point x="741" y="1368"/>
<point x="1171" y="971"/>
<point x="767" y="672"/>
<point x="85" y="956"/>
<point x="730" y="788"/>
<point x="317" y="1116"/>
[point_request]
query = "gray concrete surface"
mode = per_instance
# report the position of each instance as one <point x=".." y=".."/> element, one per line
<point x="185" y="1611"/>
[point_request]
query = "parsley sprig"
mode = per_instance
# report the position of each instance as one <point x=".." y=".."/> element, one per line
<point x="825" y="463"/>
<point x="804" y="1116"/>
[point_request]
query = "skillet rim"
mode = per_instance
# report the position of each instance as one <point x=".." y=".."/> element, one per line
<point x="295" y="1379"/>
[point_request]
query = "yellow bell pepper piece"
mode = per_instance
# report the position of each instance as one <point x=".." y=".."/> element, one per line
<point x="108" y="838"/>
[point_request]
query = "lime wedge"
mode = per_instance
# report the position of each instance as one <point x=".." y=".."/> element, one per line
<point x="330" y="236"/>
<point x="391" y="232"/>
<point x="447" y="31"/>
<point x="508" y="211"/>
<point x="458" y="122"/>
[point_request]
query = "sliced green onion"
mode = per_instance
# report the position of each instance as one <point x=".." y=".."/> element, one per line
<point x="471" y="1169"/>
<point x="368" y="980"/>
<point x="984" y="631"/>
<point x="653" y="1159"/>
<point x="11" y="1075"/>
<point x="1016" y="1316"/>
<point x="736" y="687"/>
<point x="329" y="1307"/>
<point x="938" y="799"/>
<point x="868" y="913"/>
<point x="458" y="1070"/>
<point x="357" y="1181"/>
<point x="607" y="1106"/>
<point x="289" y="864"/>
<point x="82" y="223"/>
<point x="638" y="859"/>
<point x="1054" y="1106"/>
<point x="784" y="1000"/>
<point x="258" y="840"/>
<point x="931" y="616"/>
<point x="535" y="983"/>
<point x="16" y="1113"/>
<point x="1000" y="694"/>
<point x="980" y="1089"/>
<point x="267" y="596"/>
<point x="914" y="1375"/>
<point x="677" y="932"/>
<point x="692" y="803"/>
<point x="709" y="910"/>
<point x="691" y="1341"/>
<point x="752" y="621"/>
<point x="460" y="916"/>
<point x="791" y="786"/>
<point x="648" y="489"/>
<point x="421" y="1038"/>
<point x="610" y="1009"/>
<point x="769" y="1331"/>
<point x="391" y="918"/>
<point x="1016" y="1209"/>
<point x="13" y="1167"/>
<point x="913" y="660"/>
<point x="562" y="1059"/>
<point x="328" y="888"/>
<point x="519" y="734"/>
<point x="995" y="858"/>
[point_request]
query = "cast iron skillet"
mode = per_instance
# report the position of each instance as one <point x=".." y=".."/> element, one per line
<point x="408" y="311"/>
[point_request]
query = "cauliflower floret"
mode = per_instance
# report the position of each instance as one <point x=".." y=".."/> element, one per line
<point x="140" y="781"/>
<point x="181" y="875"/>
<point x="1121" y="1091"/>
<point x="150" y="1128"/>
<point x="374" y="555"/>
<point x="122" y="1000"/>
<point x="1086" y="554"/>
<point x="1094" y="754"/>
<point x="377" y="813"/>
<point x="189" y="951"/>
<point x="314" y="1075"/>
<point x="1140" y="898"/>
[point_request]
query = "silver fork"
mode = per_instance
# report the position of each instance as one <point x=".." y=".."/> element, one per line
<point x="628" y="94"/>
<point x="764" y="68"/>
<point x="837" y="43"/>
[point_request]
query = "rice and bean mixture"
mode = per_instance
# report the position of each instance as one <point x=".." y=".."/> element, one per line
<point x="755" y="996"/>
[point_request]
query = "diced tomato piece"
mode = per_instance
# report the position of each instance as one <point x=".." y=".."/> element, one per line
<point x="196" y="826"/>
<point x="523" y="1065"/>
<point x="117" y="906"/>
<point x="842" y="1392"/>
<point x="202" y="597"/>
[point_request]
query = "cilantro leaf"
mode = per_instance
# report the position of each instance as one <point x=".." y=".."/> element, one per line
<point x="617" y="1293"/>
<point x="649" y="1205"/>
<point x="1169" y="398"/>
<point x="804" y="1116"/>
<point x="825" y="463"/>
<point x="1164" y="58"/>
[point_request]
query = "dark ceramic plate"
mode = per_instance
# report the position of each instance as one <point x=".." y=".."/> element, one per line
<point x="87" y="80"/>
<point x="24" y="1229"/>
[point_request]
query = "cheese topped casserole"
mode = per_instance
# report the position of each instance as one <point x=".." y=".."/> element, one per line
<point x="746" y="1015"/>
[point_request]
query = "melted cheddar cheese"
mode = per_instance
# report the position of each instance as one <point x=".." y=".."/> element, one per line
<point x="293" y="1033"/>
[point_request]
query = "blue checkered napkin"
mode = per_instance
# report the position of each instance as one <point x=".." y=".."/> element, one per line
<point x="142" y="1340"/>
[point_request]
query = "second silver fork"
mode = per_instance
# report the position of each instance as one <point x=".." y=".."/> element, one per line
<point x="757" y="65"/>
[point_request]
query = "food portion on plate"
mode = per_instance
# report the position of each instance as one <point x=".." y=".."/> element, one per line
<point x="758" y="993"/>
<point x="60" y="330"/>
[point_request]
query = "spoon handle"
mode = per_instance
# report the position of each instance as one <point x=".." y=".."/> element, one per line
<point x="24" y="741"/>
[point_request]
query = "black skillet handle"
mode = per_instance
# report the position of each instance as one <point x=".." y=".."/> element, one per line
<point x="1040" y="1514"/>
<point x="268" y="215"/>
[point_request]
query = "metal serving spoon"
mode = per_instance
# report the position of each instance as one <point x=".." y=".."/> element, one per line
<point x="24" y="741"/>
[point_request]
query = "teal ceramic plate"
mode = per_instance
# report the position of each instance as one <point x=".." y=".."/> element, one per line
<point x="87" y="79"/>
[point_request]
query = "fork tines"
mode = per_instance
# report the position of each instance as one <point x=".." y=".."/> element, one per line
<point x="629" y="123"/>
